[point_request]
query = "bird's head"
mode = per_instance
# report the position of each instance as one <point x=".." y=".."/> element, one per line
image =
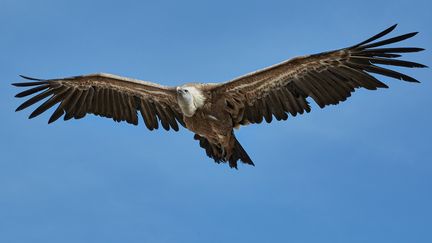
<point x="190" y="98"/>
<point x="184" y="94"/>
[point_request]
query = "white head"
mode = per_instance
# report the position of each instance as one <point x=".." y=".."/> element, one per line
<point x="189" y="98"/>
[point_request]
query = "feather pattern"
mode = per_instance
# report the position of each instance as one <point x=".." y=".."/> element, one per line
<point x="105" y="95"/>
<point x="278" y="91"/>
<point x="328" y="78"/>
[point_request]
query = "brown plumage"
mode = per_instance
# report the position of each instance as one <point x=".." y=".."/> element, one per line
<point x="211" y="111"/>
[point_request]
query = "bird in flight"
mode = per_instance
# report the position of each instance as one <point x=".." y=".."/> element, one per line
<point x="212" y="111"/>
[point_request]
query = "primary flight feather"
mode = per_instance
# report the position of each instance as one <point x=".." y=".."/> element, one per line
<point x="211" y="111"/>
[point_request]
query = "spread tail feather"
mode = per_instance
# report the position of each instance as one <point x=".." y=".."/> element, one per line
<point x="215" y="152"/>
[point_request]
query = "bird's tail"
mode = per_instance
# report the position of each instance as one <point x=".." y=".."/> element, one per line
<point x="239" y="153"/>
<point x="219" y="155"/>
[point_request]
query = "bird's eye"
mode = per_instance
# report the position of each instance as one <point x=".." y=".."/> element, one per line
<point x="187" y="91"/>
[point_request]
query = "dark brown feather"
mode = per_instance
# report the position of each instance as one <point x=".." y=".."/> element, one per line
<point x="32" y="90"/>
<point x="337" y="88"/>
<point x="89" y="100"/>
<point x="145" y="113"/>
<point x="386" y="61"/>
<point x="35" y="99"/>
<point x="162" y="117"/>
<point x="325" y="90"/>
<point x="71" y="105"/>
<point x="285" y="101"/>
<point x="277" y="107"/>
<point x="104" y="95"/>
<point x="109" y="112"/>
<point x="133" y="110"/>
<point x="101" y="101"/>
<point x="56" y="115"/>
<point x="119" y="106"/>
<point x="377" y="36"/>
<point x="27" y="84"/>
<point x="152" y="112"/>
<point x="267" y="110"/>
<point x="49" y="103"/>
<point x="114" y="105"/>
<point x="327" y="77"/>
<point x="171" y="118"/>
<point x="390" y="41"/>
<point x="76" y="99"/>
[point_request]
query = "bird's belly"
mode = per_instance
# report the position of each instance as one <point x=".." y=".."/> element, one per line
<point x="207" y="126"/>
<point x="199" y="126"/>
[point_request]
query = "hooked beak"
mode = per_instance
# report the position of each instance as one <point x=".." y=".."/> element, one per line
<point x="180" y="91"/>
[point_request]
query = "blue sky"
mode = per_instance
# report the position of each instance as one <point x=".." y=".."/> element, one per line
<point x="357" y="172"/>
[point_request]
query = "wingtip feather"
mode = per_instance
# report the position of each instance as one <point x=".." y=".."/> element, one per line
<point x="375" y="37"/>
<point x="32" y="115"/>
<point x="391" y="28"/>
<point x="30" y="78"/>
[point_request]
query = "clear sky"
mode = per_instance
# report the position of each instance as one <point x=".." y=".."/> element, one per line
<point x="357" y="172"/>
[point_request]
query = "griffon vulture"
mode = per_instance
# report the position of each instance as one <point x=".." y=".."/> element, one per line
<point x="211" y="111"/>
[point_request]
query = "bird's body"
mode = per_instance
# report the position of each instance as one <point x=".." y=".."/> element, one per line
<point x="212" y="111"/>
<point x="206" y="115"/>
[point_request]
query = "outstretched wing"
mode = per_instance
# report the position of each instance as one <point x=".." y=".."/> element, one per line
<point x="328" y="78"/>
<point x="104" y="95"/>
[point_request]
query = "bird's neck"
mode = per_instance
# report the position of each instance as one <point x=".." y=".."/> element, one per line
<point x="187" y="106"/>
